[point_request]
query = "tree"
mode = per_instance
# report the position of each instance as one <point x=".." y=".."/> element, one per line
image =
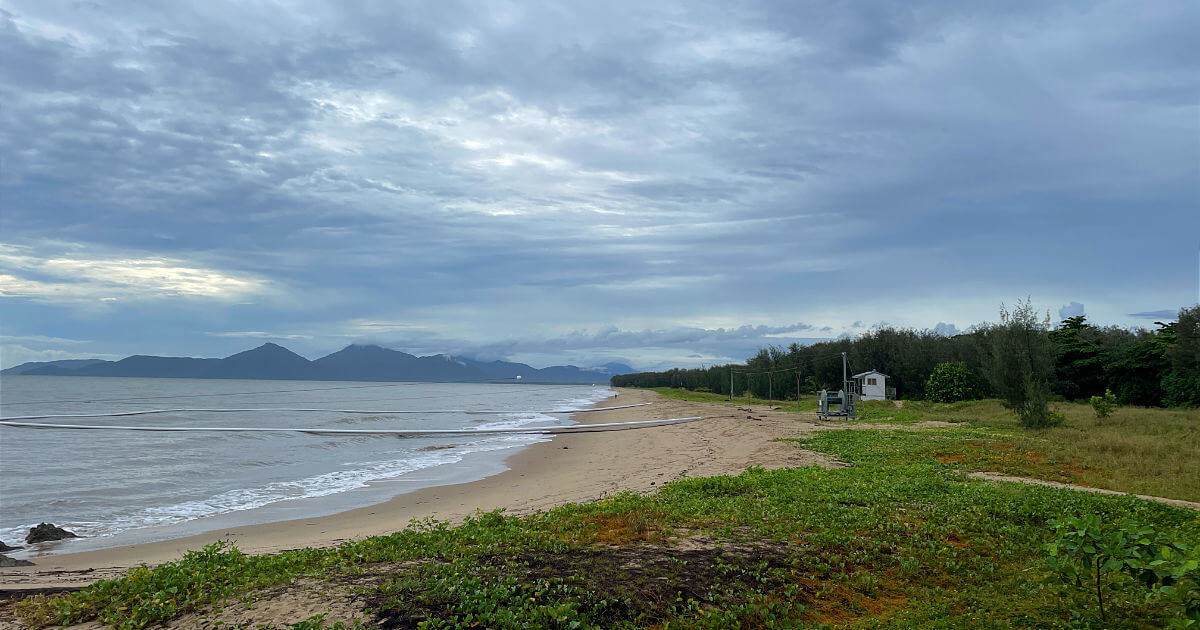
<point x="1181" y="386"/>
<point x="1080" y="371"/>
<point x="953" y="381"/>
<point x="1137" y="369"/>
<point x="1020" y="362"/>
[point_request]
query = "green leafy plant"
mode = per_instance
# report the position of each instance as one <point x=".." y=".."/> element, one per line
<point x="1104" y="405"/>
<point x="1119" y="558"/>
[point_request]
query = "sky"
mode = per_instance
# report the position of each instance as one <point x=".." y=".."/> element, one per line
<point x="658" y="183"/>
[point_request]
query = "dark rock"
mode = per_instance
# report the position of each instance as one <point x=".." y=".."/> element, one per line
<point x="4" y="547"/>
<point x="5" y="561"/>
<point x="47" y="531"/>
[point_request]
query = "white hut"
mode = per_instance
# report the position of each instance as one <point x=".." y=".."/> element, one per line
<point x="872" y="385"/>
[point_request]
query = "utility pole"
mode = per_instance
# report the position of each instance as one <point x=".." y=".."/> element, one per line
<point x="731" y="383"/>
<point x="844" y="370"/>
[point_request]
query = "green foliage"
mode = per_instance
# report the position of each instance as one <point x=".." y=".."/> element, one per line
<point x="1136" y="370"/>
<point x="1104" y="405"/>
<point x="1126" y="560"/>
<point x="1181" y="389"/>
<point x="953" y="382"/>
<point x="1141" y="367"/>
<point x="1020" y="361"/>
<point x="1079" y="371"/>
<point x="1181" y="386"/>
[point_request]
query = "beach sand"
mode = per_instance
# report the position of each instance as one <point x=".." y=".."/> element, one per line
<point x="569" y="468"/>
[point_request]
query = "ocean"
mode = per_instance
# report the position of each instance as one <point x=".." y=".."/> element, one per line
<point x="129" y="487"/>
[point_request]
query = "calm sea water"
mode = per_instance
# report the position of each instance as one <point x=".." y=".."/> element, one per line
<point x="123" y="487"/>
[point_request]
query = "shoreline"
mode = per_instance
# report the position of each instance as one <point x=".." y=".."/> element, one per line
<point x="569" y="468"/>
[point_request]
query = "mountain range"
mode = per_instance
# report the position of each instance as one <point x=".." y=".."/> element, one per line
<point x="352" y="363"/>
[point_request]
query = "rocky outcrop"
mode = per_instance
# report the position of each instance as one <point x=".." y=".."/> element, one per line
<point x="4" y="547"/>
<point x="46" y="532"/>
<point x="5" y="561"/>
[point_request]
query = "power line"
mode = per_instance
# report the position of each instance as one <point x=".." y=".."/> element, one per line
<point x="791" y="369"/>
<point x="798" y="367"/>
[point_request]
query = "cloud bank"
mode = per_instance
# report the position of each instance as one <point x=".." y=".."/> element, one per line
<point x="527" y="170"/>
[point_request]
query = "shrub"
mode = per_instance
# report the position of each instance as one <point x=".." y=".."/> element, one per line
<point x="1104" y="405"/>
<point x="952" y="382"/>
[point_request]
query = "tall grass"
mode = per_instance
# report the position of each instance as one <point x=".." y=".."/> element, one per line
<point x="1136" y="449"/>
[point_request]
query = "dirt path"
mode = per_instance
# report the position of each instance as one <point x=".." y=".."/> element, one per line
<point x="995" y="476"/>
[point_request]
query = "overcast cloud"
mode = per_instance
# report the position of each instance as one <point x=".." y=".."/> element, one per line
<point x="662" y="183"/>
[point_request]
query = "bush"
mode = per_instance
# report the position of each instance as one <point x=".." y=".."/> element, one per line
<point x="1104" y="405"/>
<point x="952" y="382"/>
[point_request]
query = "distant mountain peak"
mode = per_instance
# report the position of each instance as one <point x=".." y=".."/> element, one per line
<point x="355" y="362"/>
<point x="266" y="350"/>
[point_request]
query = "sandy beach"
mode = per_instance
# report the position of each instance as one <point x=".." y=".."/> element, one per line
<point x="569" y="468"/>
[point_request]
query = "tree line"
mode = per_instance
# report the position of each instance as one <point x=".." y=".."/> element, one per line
<point x="1023" y="360"/>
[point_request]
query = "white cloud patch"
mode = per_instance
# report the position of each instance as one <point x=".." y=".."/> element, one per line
<point x="74" y="276"/>
<point x="256" y="334"/>
<point x="41" y="339"/>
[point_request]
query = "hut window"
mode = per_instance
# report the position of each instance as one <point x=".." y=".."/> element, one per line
<point x="870" y="381"/>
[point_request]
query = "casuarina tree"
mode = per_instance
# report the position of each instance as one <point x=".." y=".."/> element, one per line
<point x="1019" y="363"/>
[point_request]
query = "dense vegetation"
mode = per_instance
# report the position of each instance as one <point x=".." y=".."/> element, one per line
<point x="1075" y="361"/>
<point x="900" y="540"/>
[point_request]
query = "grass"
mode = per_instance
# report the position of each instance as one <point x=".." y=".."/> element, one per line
<point x="899" y="540"/>
<point x="1141" y="450"/>
<point x="1137" y="449"/>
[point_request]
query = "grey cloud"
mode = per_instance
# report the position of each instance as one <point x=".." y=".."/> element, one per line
<point x="1165" y="313"/>
<point x="946" y="330"/>
<point x="728" y="344"/>
<point x="511" y="167"/>
<point x="1073" y="309"/>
